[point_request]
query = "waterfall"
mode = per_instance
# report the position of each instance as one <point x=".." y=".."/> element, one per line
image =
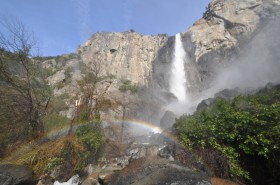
<point x="178" y="79"/>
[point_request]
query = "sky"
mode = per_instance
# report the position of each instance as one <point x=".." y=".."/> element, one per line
<point x="60" y="26"/>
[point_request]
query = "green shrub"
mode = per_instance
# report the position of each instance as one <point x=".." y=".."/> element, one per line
<point x="91" y="136"/>
<point x="128" y="86"/>
<point x="52" y="163"/>
<point x="247" y="127"/>
<point x="69" y="151"/>
<point x="60" y="85"/>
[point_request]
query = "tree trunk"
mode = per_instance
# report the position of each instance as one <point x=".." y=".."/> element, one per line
<point x="123" y="118"/>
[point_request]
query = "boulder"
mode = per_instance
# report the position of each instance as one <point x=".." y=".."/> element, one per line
<point x="90" y="181"/>
<point x="218" y="181"/>
<point x="167" y="120"/>
<point x="72" y="181"/>
<point x="11" y="174"/>
<point x="227" y="94"/>
<point x="148" y="171"/>
<point x="167" y="152"/>
<point x="204" y="104"/>
<point x="141" y="150"/>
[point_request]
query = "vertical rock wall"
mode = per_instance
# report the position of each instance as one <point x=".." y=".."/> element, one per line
<point x="127" y="55"/>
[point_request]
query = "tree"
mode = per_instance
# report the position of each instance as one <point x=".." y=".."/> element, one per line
<point x="126" y="100"/>
<point x="24" y="92"/>
<point x="94" y="87"/>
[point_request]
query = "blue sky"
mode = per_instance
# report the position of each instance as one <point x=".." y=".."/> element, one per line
<point x="61" y="26"/>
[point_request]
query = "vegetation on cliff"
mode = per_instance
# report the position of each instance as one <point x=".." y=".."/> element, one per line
<point x="24" y="92"/>
<point x="30" y="110"/>
<point x="238" y="139"/>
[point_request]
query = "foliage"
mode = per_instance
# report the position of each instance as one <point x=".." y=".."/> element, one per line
<point x="24" y="92"/>
<point x="128" y="86"/>
<point x="91" y="136"/>
<point x="71" y="152"/>
<point x="247" y="126"/>
<point x="59" y="58"/>
<point x="67" y="74"/>
<point x="66" y="153"/>
<point x="53" y="162"/>
<point x="94" y="88"/>
<point x="127" y="89"/>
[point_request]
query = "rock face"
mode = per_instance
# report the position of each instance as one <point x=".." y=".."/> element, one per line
<point x="213" y="42"/>
<point x="127" y="55"/>
<point x="222" y="24"/>
<point x="11" y="174"/>
<point x="167" y="120"/>
<point x="226" y="28"/>
<point x="227" y="94"/>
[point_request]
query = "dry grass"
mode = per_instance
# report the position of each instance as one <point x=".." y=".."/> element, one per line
<point x="38" y="157"/>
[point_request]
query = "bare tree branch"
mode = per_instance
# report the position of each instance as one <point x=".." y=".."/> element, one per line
<point x="19" y="75"/>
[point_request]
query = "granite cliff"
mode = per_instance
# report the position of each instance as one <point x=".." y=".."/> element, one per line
<point x="219" y="39"/>
<point x="227" y="29"/>
<point x="216" y="40"/>
<point x="126" y="55"/>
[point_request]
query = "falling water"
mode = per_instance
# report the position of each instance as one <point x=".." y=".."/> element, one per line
<point x="178" y="80"/>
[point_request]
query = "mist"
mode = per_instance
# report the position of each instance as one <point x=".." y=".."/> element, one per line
<point x="257" y="64"/>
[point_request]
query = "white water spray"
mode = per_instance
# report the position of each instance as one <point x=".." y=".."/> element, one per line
<point x="178" y="79"/>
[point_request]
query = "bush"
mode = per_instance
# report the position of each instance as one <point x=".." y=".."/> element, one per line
<point x="65" y="153"/>
<point x="91" y="136"/>
<point x="241" y="130"/>
<point x="128" y="86"/>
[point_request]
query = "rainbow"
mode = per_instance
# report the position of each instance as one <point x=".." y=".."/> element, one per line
<point x="144" y="125"/>
<point x="140" y="126"/>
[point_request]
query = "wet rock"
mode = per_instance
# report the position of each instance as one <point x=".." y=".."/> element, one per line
<point x="227" y="94"/>
<point x="204" y="104"/>
<point x="11" y="174"/>
<point x="56" y="172"/>
<point x="218" y="181"/>
<point x="45" y="180"/>
<point x="167" y="120"/>
<point x="186" y="158"/>
<point x="72" y="181"/>
<point x="148" y="171"/>
<point x="104" y="177"/>
<point x="166" y="152"/>
<point x="90" y="181"/>
<point x="141" y="150"/>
